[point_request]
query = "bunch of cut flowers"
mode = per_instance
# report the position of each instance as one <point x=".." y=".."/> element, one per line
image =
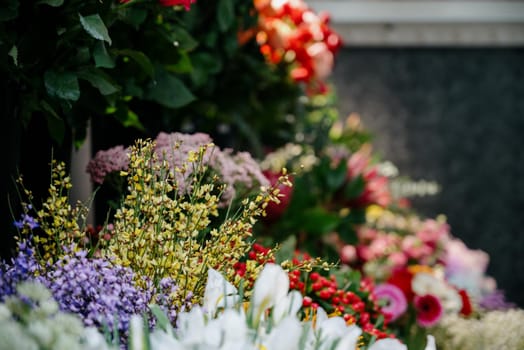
<point x="423" y="274"/>
<point x="164" y="236"/>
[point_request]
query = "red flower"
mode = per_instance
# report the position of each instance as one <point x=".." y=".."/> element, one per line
<point x="467" y="309"/>
<point x="402" y="278"/>
<point x="185" y="3"/>
<point x="429" y="310"/>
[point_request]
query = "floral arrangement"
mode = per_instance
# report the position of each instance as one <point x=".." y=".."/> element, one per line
<point x="342" y="207"/>
<point x="299" y="241"/>
<point x="290" y="32"/>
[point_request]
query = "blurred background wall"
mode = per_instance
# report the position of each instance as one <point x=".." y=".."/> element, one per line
<point x="440" y="84"/>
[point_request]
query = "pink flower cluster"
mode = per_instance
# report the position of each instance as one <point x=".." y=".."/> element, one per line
<point x="379" y="251"/>
<point x="105" y="162"/>
<point x="238" y="171"/>
<point x="289" y="31"/>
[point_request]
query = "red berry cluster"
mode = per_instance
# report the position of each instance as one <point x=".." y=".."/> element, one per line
<point x="260" y="255"/>
<point x="354" y="303"/>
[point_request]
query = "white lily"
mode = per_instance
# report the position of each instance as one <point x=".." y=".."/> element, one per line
<point x="334" y="330"/>
<point x="287" y="306"/>
<point x="285" y="336"/>
<point x="219" y="293"/>
<point x="271" y="286"/>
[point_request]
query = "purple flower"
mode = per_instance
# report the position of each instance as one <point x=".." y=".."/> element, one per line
<point x="395" y="301"/>
<point x="26" y="220"/>
<point x="21" y="268"/>
<point x="496" y="301"/>
<point x="101" y="293"/>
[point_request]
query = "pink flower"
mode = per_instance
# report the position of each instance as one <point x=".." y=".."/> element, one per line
<point x="429" y="310"/>
<point x="433" y="232"/>
<point x="395" y="301"/>
<point x="376" y="190"/>
<point x="398" y="259"/>
<point x="415" y="248"/>
<point x="348" y="254"/>
<point x="107" y="161"/>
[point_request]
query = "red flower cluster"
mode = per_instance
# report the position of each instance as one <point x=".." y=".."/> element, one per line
<point x="289" y="31"/>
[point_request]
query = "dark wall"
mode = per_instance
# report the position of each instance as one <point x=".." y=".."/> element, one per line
<point x="454" y="116"/>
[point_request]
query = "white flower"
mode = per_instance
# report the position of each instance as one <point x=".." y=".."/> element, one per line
<point x="94" y="340"/>
<point x="425" y="283"/>
<point x="219" y="293"/>
<point x="430" y="345"/>
<point x="270" y="287"/>
<point x="288" y="305"/>
<point x="137" y="339"/>
<point x="388" y="344"/>
<point x="334" y="330"/>
<point x="191" y="326"/>
<point x="285" y="336"/>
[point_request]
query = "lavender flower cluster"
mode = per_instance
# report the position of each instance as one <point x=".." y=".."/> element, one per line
<point x="101" y="293"/>
<point x="21" y="268"/>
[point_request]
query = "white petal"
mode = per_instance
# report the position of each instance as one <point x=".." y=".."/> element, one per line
<point x="285" y="336"/>
<point x="271" y="285"/>
<point x="287" y="306"/>
<point x="350" y="339"/>
<point x="430" y="345"/>
<point x="388" y="344"/>
<point x="218" y="293"/>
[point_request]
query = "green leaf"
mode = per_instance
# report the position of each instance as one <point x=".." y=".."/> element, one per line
<point x="9" y="11"/>
<point x="225" y="14"/>
<point x="169" y="91"/>
<point x="139" y="57"/>
<point x="102" y="58"/>
<point x="14" y="54"/>
<point x="208" y="62"/>
<point x="94" y="25"/>
<point x="99" y="80"/>
<point x="161" y="317"/>
<point x="134" y="16"/>
<point x="319" y="221"/>
<point x="182" y="39"/>
<point x="63" y="85"/>
<point x="54" y="3"/>
<point x="286" y="249"/>
<point x="129" y="119"/>
<point x="336" y="177"/>
<point x="55" y="124"/>
<point x="183" y="65"/>
<point x="355" y="187"/>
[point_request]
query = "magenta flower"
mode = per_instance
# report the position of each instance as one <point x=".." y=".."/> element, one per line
<point x="429" y="310"/>
<point x="395" y="301"/>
